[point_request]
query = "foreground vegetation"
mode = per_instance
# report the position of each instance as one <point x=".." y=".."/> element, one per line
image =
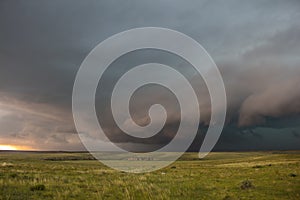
<point x="251" y="175"/>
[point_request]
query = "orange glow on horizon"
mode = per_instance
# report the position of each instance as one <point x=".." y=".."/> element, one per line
<point x="7" y="147"/>
<point x="13" y="147"/>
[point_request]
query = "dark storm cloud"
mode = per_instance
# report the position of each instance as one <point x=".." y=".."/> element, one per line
<point x="255" y="44"/>
<point x="295" y="134"/>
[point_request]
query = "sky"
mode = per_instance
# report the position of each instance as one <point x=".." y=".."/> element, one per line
<point x="255" y="44"/>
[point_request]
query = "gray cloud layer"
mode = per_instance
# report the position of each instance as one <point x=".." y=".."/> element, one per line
<point x="255" y="44"/>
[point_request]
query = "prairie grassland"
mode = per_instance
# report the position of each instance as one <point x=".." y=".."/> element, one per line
<point x="247" y="175"/>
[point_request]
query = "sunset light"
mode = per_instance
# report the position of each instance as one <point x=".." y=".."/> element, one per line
<point x="7" y="147"/>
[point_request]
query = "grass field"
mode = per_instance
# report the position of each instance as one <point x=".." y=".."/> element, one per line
<point x="249" y="175"/>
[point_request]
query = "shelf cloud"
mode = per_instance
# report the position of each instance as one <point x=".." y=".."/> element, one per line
<point x="255" y="44"/>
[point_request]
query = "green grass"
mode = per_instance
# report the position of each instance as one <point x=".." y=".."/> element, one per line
<point x="249" y="175"/>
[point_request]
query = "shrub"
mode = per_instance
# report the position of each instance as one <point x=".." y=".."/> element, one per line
<point x="257" y="166"/>
<point x="13" y="175"/>
<point x="39" y="187"/>
<point x="292" y="175"/>
<point x="227" y="197"/>
<point x="246" y="185"/>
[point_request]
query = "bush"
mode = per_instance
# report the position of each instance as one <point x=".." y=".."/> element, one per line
<point x="39" y="187"/>
<point x="292" y="175"/>
<point x="13" y="175"/>
<point x="227" y="197"/>
<point x="246" y="185"/>
<point x="257" y="166"/>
